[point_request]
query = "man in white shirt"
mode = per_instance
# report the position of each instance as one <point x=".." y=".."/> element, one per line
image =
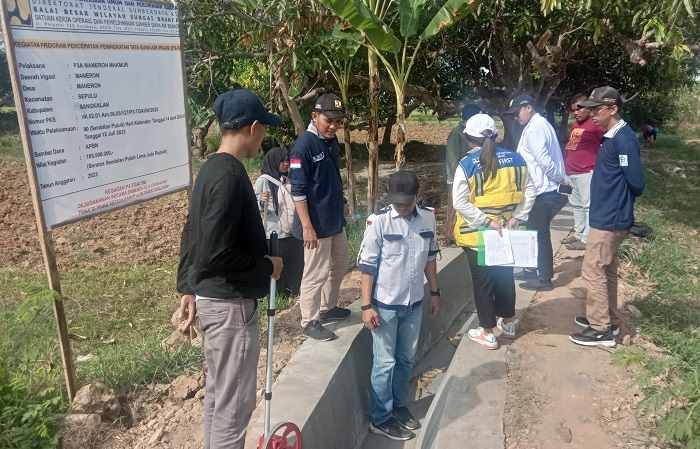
<point x="397" y="254"/>
<point x="539" y="146"/>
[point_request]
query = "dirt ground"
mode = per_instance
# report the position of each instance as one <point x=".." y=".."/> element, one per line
<point x="560" y="395"/>
<point x="154" y="228"/>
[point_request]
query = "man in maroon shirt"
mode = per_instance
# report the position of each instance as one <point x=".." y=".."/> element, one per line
<point x="580" y="156"/>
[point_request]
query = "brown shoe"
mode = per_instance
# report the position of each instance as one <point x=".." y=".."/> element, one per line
<point x="578" y="245"/>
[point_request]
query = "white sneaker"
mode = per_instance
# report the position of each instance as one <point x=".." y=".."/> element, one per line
<point x="508" y="329"/>
<point x="487" y="340"/>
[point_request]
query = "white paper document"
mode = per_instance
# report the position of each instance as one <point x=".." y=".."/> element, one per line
<point x="497" y="248"/>
<point x="512" y="248"/>
<point x="524" y="246"/>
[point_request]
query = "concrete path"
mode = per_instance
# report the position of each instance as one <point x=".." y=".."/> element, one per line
<point x="438" y="359"/>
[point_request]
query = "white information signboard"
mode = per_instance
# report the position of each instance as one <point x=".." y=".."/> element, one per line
<point x="101" y="82"/>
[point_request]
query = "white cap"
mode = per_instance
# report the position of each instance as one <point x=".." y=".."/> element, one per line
<point x="478" y="123"/>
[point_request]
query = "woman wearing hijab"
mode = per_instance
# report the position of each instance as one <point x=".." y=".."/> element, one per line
<point x="275" y="166"/>
<point x="491" y="190"/>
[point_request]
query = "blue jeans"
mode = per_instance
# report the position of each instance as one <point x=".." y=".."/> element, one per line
<point x="394" y="345"/>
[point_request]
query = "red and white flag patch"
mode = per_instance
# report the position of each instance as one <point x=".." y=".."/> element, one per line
<point x="294" y="163"/>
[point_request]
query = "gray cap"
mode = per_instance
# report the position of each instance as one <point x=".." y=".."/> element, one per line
<point x="600" y="96"/>
<point x="518" y="102"/>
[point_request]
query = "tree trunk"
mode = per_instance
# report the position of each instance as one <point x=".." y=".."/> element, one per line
<point x="399" y="156"/>
<point x="386" y="139"/>
<point x="292" y="107"/>
<point x="352" y="203"/>
<point x="549" y="112"/>
<point x="564" y="126"/>
<point x="200" y="140"/>
<point x="373" y="133"/>
<point x="512" y="132"/>
<point x="200" y="137"/>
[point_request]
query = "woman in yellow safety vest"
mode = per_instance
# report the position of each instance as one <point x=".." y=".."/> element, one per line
<point x="491" y="190"/>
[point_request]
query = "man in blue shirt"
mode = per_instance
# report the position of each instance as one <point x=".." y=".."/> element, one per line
<point x="317" y="189"/>
<point x="618" y="179"/>
<point x="397" y="254"/>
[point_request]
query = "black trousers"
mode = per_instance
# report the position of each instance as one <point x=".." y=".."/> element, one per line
<point x="292" y="253"/>
<point x="546" y="206"/>
<point x="494" y="291"/>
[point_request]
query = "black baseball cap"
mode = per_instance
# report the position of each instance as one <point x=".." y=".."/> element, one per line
<point x="606" y="95"/>
<point x="331" y="106"/>
<point x="241" y="107"/>
<point x="518" y="102"/>
<point x="403" y="187"/>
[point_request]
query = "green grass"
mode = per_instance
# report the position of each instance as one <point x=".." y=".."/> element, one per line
<point x="426" y="116"/>
<point x="28" y="419"/>
<point x="671" y="313"/>
<point x="117" y="317"/>
<point x="355" y="230"/>
<point x="11" y="147"/>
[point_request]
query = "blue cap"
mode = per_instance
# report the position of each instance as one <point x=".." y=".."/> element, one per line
<point x="518" y="102"/>
<point x="241" y="107"/>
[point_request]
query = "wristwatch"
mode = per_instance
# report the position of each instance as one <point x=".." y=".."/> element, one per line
<point x="366" y="307"/>
<point x="435" y="292"/>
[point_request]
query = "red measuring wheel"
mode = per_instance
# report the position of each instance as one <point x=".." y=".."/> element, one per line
<point x="285" y="435"/>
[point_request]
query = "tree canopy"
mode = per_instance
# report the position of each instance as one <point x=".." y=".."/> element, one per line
<point x="550" y="48"/>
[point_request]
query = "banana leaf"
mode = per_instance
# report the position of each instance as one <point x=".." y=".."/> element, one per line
<point x="411" y="14"/>
<point x="366" y="22"/>
<point x="450" y="13"/>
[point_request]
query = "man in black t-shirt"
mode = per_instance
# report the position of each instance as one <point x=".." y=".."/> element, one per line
<point x="225" y="266"/>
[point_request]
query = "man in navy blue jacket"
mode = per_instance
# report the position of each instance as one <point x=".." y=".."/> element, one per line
<point x="618" y="179"/>
<point x="317" y="189"/>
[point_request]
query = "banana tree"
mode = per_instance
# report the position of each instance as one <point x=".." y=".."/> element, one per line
<point x="397" y="53"/>
<point x="340" y="55"/>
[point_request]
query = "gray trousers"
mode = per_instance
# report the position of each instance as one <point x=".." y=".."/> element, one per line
<point x="580" y="201"/>
<point x="231" y="348"/>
